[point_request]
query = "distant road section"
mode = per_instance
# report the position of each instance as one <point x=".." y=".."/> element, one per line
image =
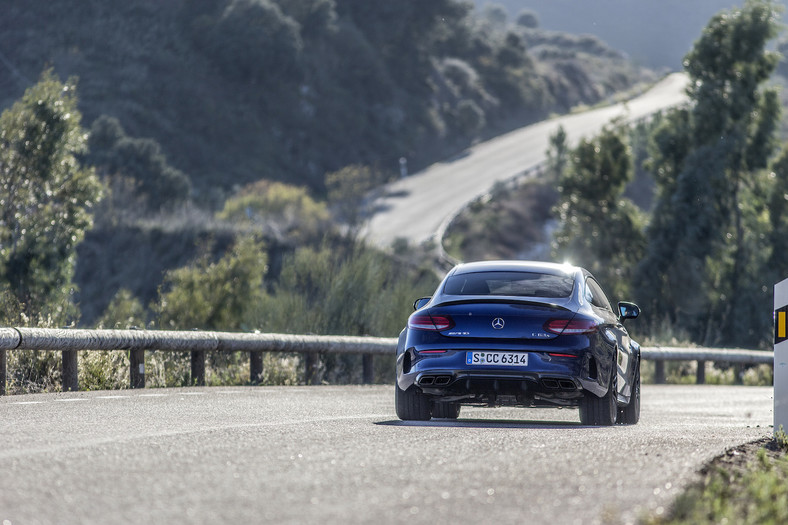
<point x="413" y="208"/>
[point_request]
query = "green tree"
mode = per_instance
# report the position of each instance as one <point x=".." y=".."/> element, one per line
<point x="557" y="154"/>
<point x="705" y="161"/>
<point x="403" y="32"/>
<point x="118" y="157"/>
<point x="222" y="295"/>
<point x="253" y="41"/>
<point x="123" y="312"/>
<point x="600" y="229"/>
<point x="47" y="197"/>
<point x="778" y="217"/>
<point x="216" y="295"/>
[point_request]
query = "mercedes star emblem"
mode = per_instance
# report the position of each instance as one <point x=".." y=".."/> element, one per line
<point x="497" y="323"/>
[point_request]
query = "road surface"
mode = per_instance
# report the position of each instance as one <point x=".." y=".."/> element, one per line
<point x="414" y="208"/>
<point x="337" y="454"/>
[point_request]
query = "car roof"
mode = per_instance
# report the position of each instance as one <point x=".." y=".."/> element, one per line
<point x="516" y="266"/>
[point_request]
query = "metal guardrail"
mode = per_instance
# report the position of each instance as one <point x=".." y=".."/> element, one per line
<point x="724" y="355"/>
<point x="736" y="356"/>
<point x="70" y="341"/>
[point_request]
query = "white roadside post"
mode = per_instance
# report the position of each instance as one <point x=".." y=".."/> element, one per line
<point x="781" y="356"/>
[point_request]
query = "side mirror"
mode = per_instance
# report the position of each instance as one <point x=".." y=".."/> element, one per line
<point x="420" y="303"/>
<point x="627" y="311"/>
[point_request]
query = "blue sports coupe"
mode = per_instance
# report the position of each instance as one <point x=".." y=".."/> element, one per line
<point x="515" y="333"/>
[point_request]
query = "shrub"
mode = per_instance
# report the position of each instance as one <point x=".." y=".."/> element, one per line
<point x="285" y="210"/>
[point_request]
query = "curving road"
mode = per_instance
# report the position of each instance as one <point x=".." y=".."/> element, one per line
<point x="415" y="207"/>
<point x="330" y="454"/>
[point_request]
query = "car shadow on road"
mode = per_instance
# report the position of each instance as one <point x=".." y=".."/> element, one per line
<point x="486" y="423"/>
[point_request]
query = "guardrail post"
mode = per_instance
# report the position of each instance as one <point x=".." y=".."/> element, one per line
<point x="737" y="374"/>
<point x="659" y="372"/>
<point x="137" y="368"/>
<point x="700" y="374"/>
<point x="368" y="365"/>
<point x="198" y="367"/>
<point x="310" y="371"/>
<point x="3" y="371"/>
<point x="70" y="371"/>
<point x="256" y="367"/>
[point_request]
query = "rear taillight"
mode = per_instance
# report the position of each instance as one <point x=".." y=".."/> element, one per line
<point x="430" y="322"/>
<point x="570" y="326"/>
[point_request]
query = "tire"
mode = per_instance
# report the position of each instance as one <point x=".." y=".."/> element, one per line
<point x="412" y="405"/>
<point x="445" y="410"/>
<point x="630" y="414"/>
<point x="600" y="411"/>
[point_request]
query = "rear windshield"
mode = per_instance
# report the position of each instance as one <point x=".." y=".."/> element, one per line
<point x="517" y="284"/>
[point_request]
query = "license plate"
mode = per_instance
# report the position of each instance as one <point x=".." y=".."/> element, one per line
<point x="496" y="358"/>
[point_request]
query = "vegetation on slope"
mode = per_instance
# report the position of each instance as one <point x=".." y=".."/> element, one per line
<point x="189" y="103"/>
<point x="747" y="485"/>
<point x="657" y="34"/>
<point x="235" y="91"/>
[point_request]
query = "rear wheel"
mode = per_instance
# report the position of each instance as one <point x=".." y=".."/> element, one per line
<point x="445" y="410"/>
<point x="630" y="414"/>
<point x="412" y="405"/>
<point x="600" y="411"/>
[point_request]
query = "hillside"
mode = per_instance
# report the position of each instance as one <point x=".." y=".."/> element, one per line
<point x="237" y="91"/>
<point x="655" y="33"/>
<point x="189" y="101"/>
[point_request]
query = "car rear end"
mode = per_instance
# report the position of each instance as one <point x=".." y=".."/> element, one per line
<point x="512" y="343"/>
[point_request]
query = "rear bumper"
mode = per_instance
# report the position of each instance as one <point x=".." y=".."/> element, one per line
<point x="547" y="379"/>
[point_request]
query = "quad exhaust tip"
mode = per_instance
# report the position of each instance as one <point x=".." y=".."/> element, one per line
<point x="434" y="380"/>
<point x="554" y="383"/>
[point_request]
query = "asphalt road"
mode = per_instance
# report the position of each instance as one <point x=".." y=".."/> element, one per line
<point x="413" y="208"/>
<point x="331" y="454"/>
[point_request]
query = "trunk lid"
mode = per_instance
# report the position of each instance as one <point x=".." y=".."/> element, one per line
<point x="500" y="320"/>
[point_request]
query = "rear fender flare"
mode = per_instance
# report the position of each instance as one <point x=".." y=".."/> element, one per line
<point x="606" y="366"/>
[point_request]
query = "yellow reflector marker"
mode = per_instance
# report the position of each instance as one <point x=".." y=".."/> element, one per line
<point x="781" y="324"/>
